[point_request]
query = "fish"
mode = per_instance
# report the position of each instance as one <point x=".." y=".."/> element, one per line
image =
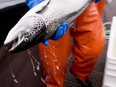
<point x="41" y="22"/>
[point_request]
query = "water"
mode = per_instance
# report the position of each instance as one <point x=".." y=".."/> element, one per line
<point x="42" y="80"/>
<point x="32" y="62"/>
<point x="56" y="62"/>
<point x="37" y="67"/>
<point x="33" y="67"/>
<point x="54" y="55"/>
<point x="14" y="77"/>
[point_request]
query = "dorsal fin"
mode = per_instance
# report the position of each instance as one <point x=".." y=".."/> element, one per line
<point x="43" y="6"/>
<point x="38" y="7"/>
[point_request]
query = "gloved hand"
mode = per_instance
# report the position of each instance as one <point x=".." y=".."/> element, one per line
<point x="61" y="30"/>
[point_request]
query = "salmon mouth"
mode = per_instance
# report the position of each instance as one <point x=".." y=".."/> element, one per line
<point x="24" y="42"/>
<point x="26" y="34"/>
<point x="12" y="46"/>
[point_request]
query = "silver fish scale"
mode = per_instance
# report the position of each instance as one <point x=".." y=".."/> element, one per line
<point x="52" y="25"/>
<point x="36" y="25"/>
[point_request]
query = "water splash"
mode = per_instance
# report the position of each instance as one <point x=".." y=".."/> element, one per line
<point x="56" y="71"/>
<point x="30" y="53"/>
<point x="53" y="53"/>
<point x="33" y="67"/>
<point x="45" y="55"/>
<point x="57" y="68"/>
<point x="57" y="64"/>
<point x="14" y="77"/>
<point x="53" y="46"/>
<point x="42" y="80"/>
<point x="15" y="80"/>
<point x="54" y="56"/>
<point x="58" y="82"/>
<point x="31" y="59"/>
<point x="37" y="67"/>
<point x="47" y="77"/>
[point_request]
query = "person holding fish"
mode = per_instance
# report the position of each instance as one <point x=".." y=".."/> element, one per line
<point x="50" y="20"/>
<point x="88" y="35"/>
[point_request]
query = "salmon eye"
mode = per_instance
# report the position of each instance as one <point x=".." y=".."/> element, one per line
<point x="26" y="39"/>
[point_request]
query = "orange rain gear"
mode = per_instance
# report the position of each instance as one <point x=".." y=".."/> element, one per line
<point x="54" y="58"/>
<point x="88" y="44"/>
<point x="100" y="6"/>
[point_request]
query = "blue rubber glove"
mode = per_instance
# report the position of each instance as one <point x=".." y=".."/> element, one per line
<point x="61" y="30"/>
<point x="32" y="3"/>
<point x="96" y="1"/>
